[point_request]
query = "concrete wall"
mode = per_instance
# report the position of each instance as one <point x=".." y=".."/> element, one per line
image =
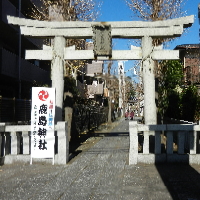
<point x="172" y="143"/>
<point x="15" y="144"/>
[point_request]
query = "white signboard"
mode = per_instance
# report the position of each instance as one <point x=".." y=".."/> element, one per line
<point x="42" y="123"/>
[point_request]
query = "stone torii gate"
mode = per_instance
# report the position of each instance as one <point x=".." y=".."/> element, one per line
<point x="102" y="34"/>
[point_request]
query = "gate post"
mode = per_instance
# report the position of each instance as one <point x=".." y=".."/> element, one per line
<point x="63" y="144"/>
<point x="133" y="150"/>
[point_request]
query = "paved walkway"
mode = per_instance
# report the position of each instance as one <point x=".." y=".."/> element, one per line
<point x="101" y="173"/>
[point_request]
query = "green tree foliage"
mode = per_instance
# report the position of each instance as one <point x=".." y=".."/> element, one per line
<point x="169" y="82"/>
<point x="130" y="89"/>
<point x="190" y="104"/>
<point x="173" y="109"/>
<point x="172" y="74"/>
<point x="175" y="100"/>
<point x="70" y="85"/>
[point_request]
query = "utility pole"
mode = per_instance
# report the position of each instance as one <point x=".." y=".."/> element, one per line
<point x="19" y="53"/>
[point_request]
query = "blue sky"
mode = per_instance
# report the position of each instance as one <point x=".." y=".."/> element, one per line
<point x="117" y="10"/>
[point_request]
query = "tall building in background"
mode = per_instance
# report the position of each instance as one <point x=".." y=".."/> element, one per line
<point x="121" y="84"/>
<point x="199" y="21"/>
<point x="17" y="74"/>
<point x="189" y="55"/>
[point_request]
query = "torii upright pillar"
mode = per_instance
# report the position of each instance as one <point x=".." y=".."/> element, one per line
<point x="57" y="74"/>
<point x="148" y="81"/>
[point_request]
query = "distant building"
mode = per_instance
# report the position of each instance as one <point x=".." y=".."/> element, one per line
<point x="16" y="73"/>
<point x="199" y="11"/>
<point x="190" y="56"/>
<point x="199" y="20"/>
<point x="95" y="84"/>
<point x="92" y="80"/>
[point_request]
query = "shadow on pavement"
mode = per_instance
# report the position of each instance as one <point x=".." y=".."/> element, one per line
<point x="113" y="134"/>
<point x="181" y="180"/>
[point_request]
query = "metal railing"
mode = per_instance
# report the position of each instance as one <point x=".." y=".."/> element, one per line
<point x="15" y="111"/>
<point x="18" y="111"/>
<point x="89" y="117"/>
<point x="29" y="71"/>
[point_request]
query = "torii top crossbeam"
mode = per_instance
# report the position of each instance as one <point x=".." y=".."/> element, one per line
<point x="121" y="29"/>
<point x="84" y="30"/>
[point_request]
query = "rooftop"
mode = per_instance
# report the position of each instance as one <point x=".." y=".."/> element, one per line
<point x="187" y="46"/>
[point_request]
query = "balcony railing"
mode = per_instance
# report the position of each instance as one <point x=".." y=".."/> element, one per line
<point x="9" y="9"/>
<point x="28" y="72"/>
